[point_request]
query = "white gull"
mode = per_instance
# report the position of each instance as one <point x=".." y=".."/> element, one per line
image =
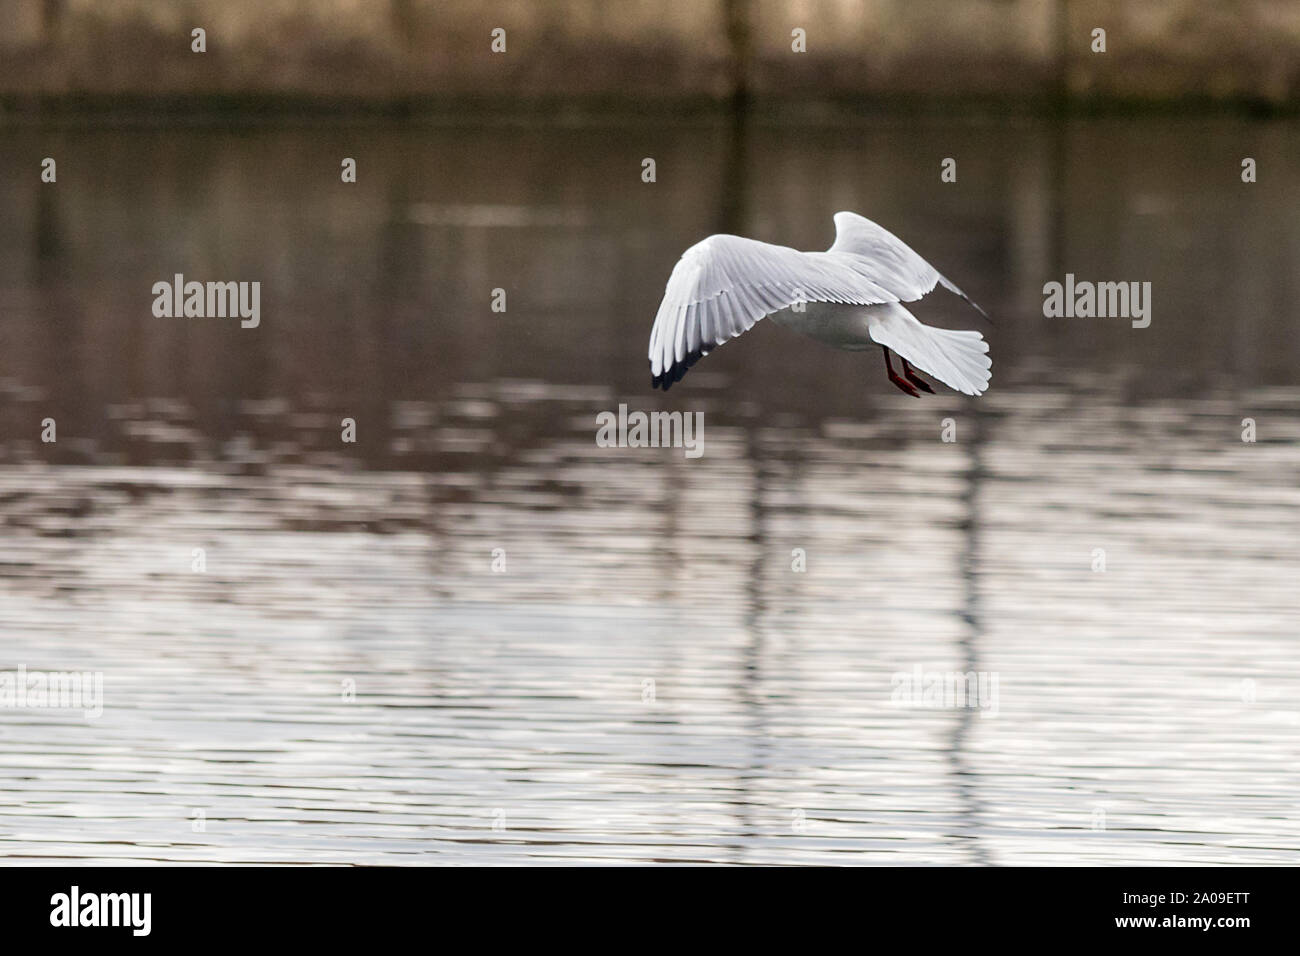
<point x="848" y="297"/>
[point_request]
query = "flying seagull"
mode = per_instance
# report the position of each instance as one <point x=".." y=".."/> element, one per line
<point x="848" y="297"/>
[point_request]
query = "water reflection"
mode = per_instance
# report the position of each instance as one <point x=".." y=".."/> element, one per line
<point x="1159" y="692"/>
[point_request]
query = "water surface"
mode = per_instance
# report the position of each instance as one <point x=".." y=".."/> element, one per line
<point x="644" y="676"/>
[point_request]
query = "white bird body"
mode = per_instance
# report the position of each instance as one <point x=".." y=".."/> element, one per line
<point x="839" y="326"/>
<point x="848" y="297"/>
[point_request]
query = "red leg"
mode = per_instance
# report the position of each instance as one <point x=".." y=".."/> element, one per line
<point x="915" y="379"/>
<point x="893" y="376"/>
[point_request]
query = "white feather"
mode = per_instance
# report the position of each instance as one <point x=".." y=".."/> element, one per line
<point x="958" y="359"/>
<point x="723" y="285"/>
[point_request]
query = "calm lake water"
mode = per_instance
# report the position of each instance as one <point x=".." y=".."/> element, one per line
<point x="474" y="636"/>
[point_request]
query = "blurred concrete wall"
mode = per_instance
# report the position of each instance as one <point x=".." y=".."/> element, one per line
<point x="386" y="49"/>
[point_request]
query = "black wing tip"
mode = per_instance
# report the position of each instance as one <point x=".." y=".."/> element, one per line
<point x="976" y="306"/>
<point x="947" y="284"/>
<point x="671" y="376"/>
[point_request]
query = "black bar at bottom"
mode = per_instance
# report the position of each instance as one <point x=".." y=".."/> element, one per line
<point x="333" y="906"/>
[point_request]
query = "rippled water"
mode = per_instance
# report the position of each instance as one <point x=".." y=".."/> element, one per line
<point x="475" y="636"/>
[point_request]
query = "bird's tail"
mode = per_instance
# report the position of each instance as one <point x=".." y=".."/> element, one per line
<point x="959" y="359"/>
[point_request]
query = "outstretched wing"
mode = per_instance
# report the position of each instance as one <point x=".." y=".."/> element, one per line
<point x="892" y="262"/>
<point x="720" y="287"/>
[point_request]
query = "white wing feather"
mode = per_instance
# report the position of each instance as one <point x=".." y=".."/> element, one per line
<point x="723" y="285"/>
<point x="893" y="262"/>
<point x="720" y="287"/>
